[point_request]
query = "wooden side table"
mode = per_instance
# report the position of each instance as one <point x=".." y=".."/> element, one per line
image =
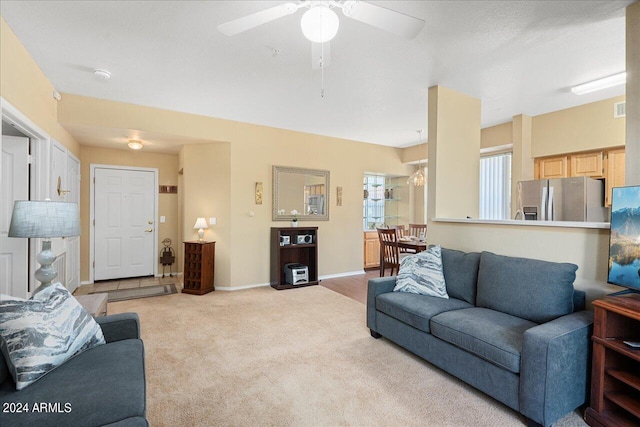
<point x="199" y="260"/>
<point x="95" y="304"/>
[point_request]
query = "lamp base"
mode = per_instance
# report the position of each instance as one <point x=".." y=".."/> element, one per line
<point x="201" y="235"/>
<point x="46" y="273"/>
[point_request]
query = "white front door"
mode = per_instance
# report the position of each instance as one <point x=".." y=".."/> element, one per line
<point x="124" y="223"/>
<point x="14" y="186"/>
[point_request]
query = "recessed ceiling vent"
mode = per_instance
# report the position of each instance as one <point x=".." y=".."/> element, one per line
<point x="619" y="109"/>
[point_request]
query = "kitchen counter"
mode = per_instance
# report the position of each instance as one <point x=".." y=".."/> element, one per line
<point x="517" y="222"/>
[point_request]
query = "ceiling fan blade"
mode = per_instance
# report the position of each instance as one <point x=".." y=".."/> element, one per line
<point x="320" y="55"/>
<point x="383" y="18"/>
<point x="248" y="22"/>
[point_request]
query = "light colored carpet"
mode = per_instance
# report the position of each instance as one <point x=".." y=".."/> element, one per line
<point x="299" y="357"/>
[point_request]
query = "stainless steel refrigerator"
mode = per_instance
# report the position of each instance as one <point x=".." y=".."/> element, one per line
<point x="563" y="199"/>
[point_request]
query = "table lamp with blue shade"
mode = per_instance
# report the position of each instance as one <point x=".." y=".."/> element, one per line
<point x="44" y="219"/>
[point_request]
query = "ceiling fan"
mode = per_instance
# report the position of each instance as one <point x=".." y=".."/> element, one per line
<point x="320" y="23"/>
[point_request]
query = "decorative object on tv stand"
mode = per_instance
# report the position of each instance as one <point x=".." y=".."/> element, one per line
<point x="294" y="221"/>
<point x="46" y="220"/>
<point x="200" y="224"/>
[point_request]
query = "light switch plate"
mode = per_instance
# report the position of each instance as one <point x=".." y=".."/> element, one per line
<point x="163" y="219"/>
<point x="212" y="221"/>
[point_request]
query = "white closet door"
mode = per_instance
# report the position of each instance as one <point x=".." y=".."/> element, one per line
<point x="14" y="186"/>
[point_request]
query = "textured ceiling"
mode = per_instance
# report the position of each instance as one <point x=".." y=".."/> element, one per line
<point x="517" y="57"/>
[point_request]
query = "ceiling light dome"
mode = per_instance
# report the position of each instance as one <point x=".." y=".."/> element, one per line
<point x="134" y="144"/>
<point x="319" y="24"/>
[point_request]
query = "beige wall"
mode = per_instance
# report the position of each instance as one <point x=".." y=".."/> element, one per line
<point x="167" y="165"/>
<point x="495" y="136"/>
<point x="587" y="127"/>
<point x="632" y="170"/>
<point x="207" y="193"/>
<point x="454" y="154"/>
<point x="415" y="153"/>
<point x="219" y="177"/>
<point x="25" y="86"/>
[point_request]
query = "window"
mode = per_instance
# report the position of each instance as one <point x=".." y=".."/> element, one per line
<point x="495" y="186"/>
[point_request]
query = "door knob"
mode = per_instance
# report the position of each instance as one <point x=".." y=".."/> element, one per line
<point x="148" y="230"/>
<point x="150" y="222"/>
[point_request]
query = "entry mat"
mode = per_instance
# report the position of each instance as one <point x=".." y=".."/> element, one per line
<point x="144" y="292"/>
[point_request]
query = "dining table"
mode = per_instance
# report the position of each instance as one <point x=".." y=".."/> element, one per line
<point x="412" y="245"/>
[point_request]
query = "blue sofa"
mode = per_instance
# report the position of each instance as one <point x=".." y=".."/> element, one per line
<point x="103" y="386"/>
<point x="513" y="328"/>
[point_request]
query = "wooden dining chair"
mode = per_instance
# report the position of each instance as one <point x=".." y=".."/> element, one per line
<point x="418" y="230"/>
<point x="401" y="230"/>
<point x="389" y="253"/>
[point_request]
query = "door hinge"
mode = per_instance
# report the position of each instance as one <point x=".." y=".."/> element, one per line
<point x="94" y="221"/>
<point x="94" y="179"/>
<point x="94" y="264"/>
<point x="30" y="159"/>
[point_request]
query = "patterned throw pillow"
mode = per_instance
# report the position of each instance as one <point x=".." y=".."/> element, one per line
<point x="422" y="274"/>
<point x="41" y="333"/>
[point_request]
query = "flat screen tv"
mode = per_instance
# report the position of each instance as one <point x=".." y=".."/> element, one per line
<point x="624" y="239"/>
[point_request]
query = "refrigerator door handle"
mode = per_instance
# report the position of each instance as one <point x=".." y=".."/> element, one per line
<point x="543" y="205"/>
<point x="550" y="211"/>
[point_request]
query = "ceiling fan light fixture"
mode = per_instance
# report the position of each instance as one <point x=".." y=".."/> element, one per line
<point x="319" y="24"/>
<point x="135" y="144"/>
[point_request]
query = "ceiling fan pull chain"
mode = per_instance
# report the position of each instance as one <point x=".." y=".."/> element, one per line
<point x="322" y="71"/>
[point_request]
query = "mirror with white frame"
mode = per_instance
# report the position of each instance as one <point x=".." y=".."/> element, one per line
<point x="300" y="193"/>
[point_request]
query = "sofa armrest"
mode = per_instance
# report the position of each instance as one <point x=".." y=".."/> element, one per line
<point x="555" y="365"/>
<point x="377" y="286"/>
<point x="117" y="327"/>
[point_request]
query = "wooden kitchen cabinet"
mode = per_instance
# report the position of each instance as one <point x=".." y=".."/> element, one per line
<point x="371" y="249"/>
<point x="615" y="170"/>
<point x="552" y="167"/>
<point x="587" y="164"/>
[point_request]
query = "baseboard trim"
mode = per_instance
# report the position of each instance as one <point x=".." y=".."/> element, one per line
<point x="345" y="274"/>
<point x="239" y="288"/>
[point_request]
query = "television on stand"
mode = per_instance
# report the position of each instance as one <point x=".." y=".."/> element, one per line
<point x="624" y="239"/>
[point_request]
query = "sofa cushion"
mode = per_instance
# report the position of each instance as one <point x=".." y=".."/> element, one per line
<point x="416" y="310"/>
<point x="422" y="274"/>
<point x="43" y="332"/>
<point x="491" y="335"/>
<point x="461" y="273"/>
<point x="103" y="385"/>
<point x="532" y="289"/>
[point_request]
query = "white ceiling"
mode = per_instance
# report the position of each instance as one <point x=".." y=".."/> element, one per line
<point x="517" y="57"/>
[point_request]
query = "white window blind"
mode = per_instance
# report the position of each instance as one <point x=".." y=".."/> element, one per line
<point x="495" y="186"/>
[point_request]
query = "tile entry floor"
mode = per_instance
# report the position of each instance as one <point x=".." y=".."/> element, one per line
<point x="136" y="282"/>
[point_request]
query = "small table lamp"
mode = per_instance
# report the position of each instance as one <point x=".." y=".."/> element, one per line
<point x="44" y="219"/>
<point x="201" y="224"/>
